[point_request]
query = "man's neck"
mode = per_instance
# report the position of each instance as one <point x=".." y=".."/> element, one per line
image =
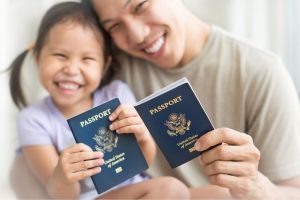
<point x="198" y="34"/>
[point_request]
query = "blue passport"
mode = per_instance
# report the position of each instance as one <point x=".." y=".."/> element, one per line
<point x="175" y="119"/>
<point x="122" y="154"/>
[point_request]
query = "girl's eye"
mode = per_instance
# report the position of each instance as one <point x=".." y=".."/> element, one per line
<point x="141" y="6"/>
<point x="59" y="55"/>
<point x="88" y="58"/>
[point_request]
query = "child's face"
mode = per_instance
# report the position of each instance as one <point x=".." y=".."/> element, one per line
<point x="71" y="64"/>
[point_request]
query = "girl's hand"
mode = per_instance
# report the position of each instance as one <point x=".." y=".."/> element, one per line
<point x="78" y="162"/>
<point x="127" y="120"/>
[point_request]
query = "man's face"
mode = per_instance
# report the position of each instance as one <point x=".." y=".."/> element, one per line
<point x="153" y="30"/>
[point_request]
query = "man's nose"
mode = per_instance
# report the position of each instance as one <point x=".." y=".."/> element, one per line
<point x="137" y="30"/>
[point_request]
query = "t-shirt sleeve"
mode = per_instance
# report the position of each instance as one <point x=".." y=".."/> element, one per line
<point x="123" y="92"/>
<point x="274" y="121"/>
<point x="33" y="128"/>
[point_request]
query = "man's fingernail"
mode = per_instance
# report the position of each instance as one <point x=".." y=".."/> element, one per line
<point x="197" y="146"/>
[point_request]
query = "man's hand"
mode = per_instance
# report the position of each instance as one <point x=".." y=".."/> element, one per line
<point x="233" y="164"/>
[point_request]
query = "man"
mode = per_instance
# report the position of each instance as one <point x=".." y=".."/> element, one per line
<point x="240" y="86"/>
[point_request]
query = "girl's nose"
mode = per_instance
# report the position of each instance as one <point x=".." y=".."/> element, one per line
<point x="72" y="68"/>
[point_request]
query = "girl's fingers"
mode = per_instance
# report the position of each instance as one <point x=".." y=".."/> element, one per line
<point x="77" y="157"/>
<point x="83" y="174"/>
<point x="130" y="129"/>
<point x="122" y="111"/>
<point x="85" y="165"/>
<point x="80" y="147"/>
<point x="125" y="122"/>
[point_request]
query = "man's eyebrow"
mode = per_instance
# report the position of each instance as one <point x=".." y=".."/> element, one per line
<point x="127" y="3"/>
<point x="105" y="21"/>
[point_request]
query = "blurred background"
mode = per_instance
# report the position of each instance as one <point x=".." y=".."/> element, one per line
<point x="270" y="24"/>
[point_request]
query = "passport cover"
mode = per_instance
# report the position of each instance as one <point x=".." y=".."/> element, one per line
<point x="175" y="119"/>
<point x="122" y="154"/>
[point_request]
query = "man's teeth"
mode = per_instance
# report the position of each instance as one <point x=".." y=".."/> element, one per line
<point x="156" y="46"/>
<point x="68" y="86"/>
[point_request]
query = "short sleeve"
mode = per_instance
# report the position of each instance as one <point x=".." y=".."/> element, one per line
<point x="274" y="122"/>
<point x="33" y="127"/>
<point x="123" y="92"/>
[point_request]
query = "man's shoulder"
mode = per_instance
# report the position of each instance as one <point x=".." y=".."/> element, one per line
<point x="241" y="45"/>
<point x="249" y="57"/>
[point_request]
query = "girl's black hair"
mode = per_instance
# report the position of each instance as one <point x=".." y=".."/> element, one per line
<point x="68" y="11"/>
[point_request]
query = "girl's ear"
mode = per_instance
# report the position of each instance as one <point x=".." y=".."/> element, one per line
<point x="32" y="52"/>
<point x="34" y="56"/>
<point x="106" y="65"/>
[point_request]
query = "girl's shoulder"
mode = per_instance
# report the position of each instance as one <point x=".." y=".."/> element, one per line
<point x="115" y="89"/>
<point x="116" y="85"/>
<point x="40" y="110"/>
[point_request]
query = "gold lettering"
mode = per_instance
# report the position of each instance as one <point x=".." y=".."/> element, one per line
<point x="119" y="169"/>
<point x="95" y="118"/>
<point x="192" y="149"/>
<point x="165" y="105"/>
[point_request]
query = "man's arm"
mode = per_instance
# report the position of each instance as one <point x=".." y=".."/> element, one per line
<point x="281" y="190"/>
<point x="290" y="188"/>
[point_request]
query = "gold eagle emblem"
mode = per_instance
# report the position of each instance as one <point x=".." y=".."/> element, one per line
<point x="177" y="124"/>
<point x="105" y="139"/>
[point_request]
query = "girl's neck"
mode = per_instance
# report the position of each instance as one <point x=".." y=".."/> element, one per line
<point x="75" y="109"/>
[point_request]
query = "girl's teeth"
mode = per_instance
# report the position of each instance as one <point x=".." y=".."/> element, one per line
<point x="68" y="86"/>
<point x="156" y="46"/>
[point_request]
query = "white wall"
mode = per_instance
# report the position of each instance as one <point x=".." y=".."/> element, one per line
<point x="19" y="23"/>
<point x="272" y="24"/>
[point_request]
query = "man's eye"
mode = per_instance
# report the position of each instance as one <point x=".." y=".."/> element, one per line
<point x="113" y="27"/>
<point x="141" y="6"/>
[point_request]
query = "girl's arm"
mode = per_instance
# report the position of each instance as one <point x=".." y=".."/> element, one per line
<point x="61" y="174"/>
<point x="126" y="120"/>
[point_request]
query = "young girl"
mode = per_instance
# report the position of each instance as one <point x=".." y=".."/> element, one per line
<point x="73" y="55"/>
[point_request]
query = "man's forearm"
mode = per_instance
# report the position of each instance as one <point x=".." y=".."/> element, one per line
<point x="289" y="191"/>
<point x="267" y="189"/>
